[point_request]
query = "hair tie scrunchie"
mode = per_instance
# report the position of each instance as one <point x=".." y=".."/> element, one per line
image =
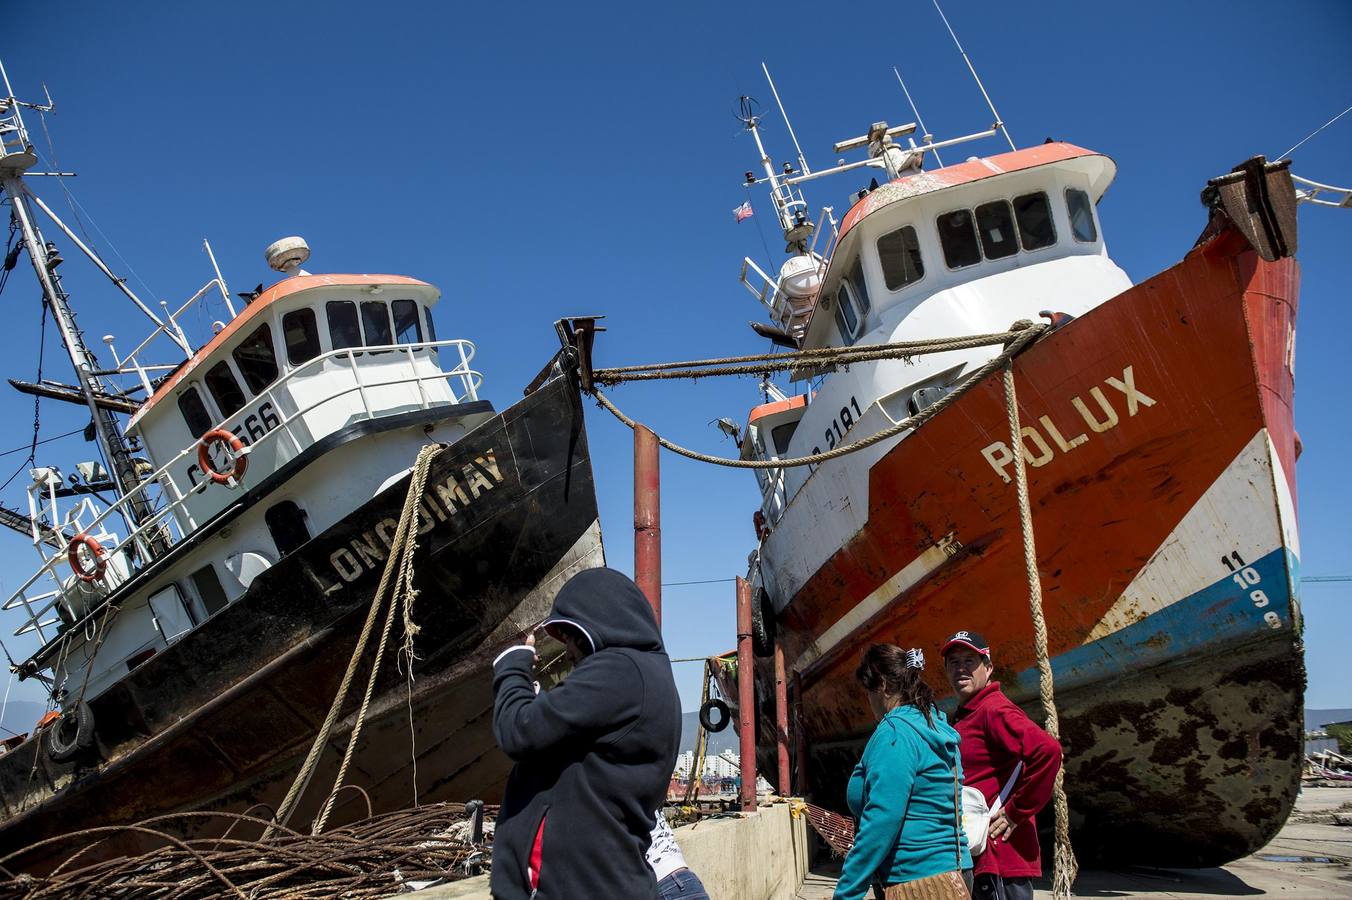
<point x="915" y="658"/>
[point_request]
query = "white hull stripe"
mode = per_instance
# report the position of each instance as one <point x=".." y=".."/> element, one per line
<point x="1238" y="514"/>
<point x="909" y="576"/>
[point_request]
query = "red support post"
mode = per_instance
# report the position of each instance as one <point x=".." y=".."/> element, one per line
<point x="782" y="720"/>
<point x="648" y="519"/>
<point x="799" y="735"/>
<point x="746" y="696"/>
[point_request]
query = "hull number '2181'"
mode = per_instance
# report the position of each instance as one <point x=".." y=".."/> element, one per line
<point x="842" y="423"/>
<point x="250" y="429"/>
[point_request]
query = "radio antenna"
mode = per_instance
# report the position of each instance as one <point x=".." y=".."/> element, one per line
<point x="802" y="163"/>
<point x="998" y="122"/>
<point x="928" y="138"/>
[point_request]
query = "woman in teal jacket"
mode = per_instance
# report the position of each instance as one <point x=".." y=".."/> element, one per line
<point x="903" y="793"/>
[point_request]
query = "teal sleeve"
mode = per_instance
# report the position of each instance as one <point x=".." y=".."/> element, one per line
<point x="889" y="773"/>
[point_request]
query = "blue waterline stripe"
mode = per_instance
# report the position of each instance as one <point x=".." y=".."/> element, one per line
<point x="1219" y="614"/>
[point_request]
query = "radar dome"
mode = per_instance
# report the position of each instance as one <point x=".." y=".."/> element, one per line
<point x="287" y="254"/>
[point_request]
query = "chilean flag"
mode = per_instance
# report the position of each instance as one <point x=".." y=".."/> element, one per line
<point x="743" y="212"/>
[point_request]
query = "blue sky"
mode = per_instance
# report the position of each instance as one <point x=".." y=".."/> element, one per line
<point x="543" y="160"/>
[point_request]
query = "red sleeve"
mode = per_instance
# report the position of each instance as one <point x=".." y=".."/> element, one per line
<point x="1008" y="727"/>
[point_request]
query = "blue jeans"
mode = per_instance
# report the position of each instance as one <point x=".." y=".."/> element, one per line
<point x="682" y="884"/>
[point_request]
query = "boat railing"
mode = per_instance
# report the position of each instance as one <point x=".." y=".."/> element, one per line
<point x="1308" y="191"/>
<point x="167" y="526"/>
<point x="825" y="220"/>
<point x="774" y="495"/>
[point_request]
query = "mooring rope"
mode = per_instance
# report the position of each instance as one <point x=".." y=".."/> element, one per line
<point x="1019" y="336"/>
<point x="825" y="358"/>
<point x="1064" y="866"/>
<point x="400" y="559"/>
<point x="402" y="548"/>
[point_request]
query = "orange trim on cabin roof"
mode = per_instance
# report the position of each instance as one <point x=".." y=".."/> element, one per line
<point x="778" y="406"/>
<point x="285" y="288"/>
<point x="927" y="182"/>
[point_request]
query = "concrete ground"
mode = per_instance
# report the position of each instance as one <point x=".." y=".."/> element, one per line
<point x="1309" y="859"/>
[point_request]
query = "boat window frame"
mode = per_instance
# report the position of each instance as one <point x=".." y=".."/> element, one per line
<point x="235" y="378"/>
<point x="976" y="238"/>
<point x="1089" y="208"/>
<point x="843" y="297"/>
<point x="389" y="323"/>
<point x="273" y="521"/>
<point x="271" y="346"/>
<point x="877" y="246"/>
<point x="314" y="325"/>
<point x="356" y="323"/>
<point x="202" y="595"/>
<point x="431" y="325"/>
<point x="1013" y="238"/>
<point x="1051" y="221"/>
<point x="792" y="426"/>
<point x="183" y="606"/>
<point x="188" y="389"/>
<point x="858" y="283"/>
<point x="416" y="321"/>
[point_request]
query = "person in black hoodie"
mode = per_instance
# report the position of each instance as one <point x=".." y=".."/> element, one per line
<point x="594" y="755"/>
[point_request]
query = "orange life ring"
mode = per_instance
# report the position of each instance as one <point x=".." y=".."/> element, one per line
<point x="95" y="550"/>
<point x="232" y="441"/>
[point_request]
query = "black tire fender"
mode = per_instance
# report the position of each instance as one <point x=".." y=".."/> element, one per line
<point x="72" y="734"/>
<point x="706" y="715"/>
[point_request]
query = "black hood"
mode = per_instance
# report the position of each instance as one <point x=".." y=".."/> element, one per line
<point x="610" y="609"/>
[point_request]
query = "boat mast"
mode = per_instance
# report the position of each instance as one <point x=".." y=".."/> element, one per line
<point x="16" y="156"/>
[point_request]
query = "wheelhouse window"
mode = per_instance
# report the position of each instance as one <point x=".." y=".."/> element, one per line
<point x="224" y="389"/>
<point x="899" y="253"/>
<point x="957" y="236"/>
<point x="995" y="225"/>
<point x="194" y="411"/>
<point x="1034" y="213"/>
<point x="846" y="318"/>
<point x="375" y="323"/>
<point x="1082" y="226"/>
<point x="431" y="326"/>
<point x="407" y="327"/>
<point x="859" y="287"/>
<point x="256" y="359"/>
<point x="343" y="328"/>
<point x="302" y="336"/>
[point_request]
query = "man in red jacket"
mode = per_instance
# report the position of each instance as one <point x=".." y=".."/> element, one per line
<point x="1001" y="748"/>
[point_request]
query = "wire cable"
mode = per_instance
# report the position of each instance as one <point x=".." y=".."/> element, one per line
<point x="1313" y="133"/>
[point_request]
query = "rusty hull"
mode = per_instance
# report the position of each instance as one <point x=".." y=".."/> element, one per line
<point x="1180" y="707"/>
